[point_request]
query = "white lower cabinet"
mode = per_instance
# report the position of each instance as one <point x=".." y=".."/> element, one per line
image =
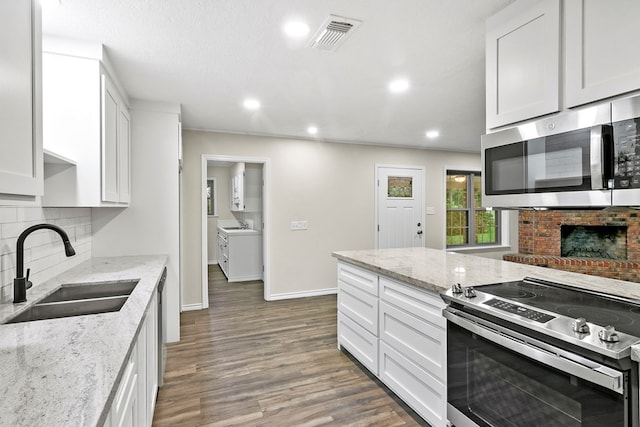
<point x="397" y="331"/>
<point x="362" y="344"/>
<point x="240" y="255"/>
<point x="413" y="351"/>
<point x="134" y="401"/>
<point x="124" y="409"/>
<point x="413" y="385"/>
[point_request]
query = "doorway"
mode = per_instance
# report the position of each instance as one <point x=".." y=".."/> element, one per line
<point x="263" y="218"/>
<point x="399" y="206"/>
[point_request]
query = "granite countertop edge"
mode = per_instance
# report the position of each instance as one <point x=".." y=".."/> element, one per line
<point x="66" y="371"/>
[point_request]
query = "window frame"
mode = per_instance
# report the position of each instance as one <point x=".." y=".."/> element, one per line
<point x="470" y="211"/>
<point x="213" y="197"/>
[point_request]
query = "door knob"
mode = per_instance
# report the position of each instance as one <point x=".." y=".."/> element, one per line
<point x="419" y="224"/>
<point x="419" y="231"/>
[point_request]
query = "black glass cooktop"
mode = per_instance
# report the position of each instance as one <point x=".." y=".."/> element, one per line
<point x="597" y="308"/>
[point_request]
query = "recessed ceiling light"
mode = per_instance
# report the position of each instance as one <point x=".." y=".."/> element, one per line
<point x="296" y="29"/>
<point x="251" y="104"/>
<point x="399" y="85"/>
<point x="432" y="134"/>
<point x="312" y="130"/>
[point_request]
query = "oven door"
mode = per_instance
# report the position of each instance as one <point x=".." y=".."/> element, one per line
<point x="498" y="377"/>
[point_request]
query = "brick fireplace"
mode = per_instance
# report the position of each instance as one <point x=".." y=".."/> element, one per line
<point x="598" y="242"/>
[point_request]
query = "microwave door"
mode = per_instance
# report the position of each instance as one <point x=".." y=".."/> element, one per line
<point x="559" y="162"/>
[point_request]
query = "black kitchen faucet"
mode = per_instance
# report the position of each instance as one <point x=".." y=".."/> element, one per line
<point x="21" y="283"/>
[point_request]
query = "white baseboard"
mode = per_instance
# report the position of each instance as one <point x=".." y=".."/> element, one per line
<point x="192" y="307"/>
<point x="303" y="294"/>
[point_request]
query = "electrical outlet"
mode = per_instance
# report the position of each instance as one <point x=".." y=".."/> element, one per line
<point x="299" y="225"/>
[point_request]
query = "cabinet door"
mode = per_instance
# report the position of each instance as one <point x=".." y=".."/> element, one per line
<point x="601" y="49"/>
<point x="362" y="344"/>
<point x="109" y="141"/>
<point x="413" y="385"/>
<point x="124" y="155"/>
<point x="522" y="62"/>
<point x="20" y="102"/>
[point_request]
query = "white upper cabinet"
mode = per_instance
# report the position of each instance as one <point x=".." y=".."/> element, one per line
<point x="522" y="63"/>
<point x="86" y="120"/>
<point x="546" y="56"/>
<point x="21" y="174"/>
<point x="601" y="49"/>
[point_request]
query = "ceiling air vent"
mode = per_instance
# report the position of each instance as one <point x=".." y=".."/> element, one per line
<point x="333" y="32"/>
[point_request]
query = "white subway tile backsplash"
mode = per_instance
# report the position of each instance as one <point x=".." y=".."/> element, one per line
<point x="44" y="251"/>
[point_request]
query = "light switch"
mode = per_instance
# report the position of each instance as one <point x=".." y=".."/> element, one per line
<point x="431" y="210"/>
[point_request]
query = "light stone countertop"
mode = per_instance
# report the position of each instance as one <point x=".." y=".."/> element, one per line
<point x="437" y="270"/>
<point x="64" y="372"/>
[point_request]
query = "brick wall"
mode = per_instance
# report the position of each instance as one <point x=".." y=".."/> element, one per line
<point x="539" y="241"/>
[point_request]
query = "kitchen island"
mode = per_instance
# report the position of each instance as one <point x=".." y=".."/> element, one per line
<point x="390" y="315"/>
<point x="66" y="372"/>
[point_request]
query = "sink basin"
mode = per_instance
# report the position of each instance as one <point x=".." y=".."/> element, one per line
<point x="82" y="291"/>
<point x="70" y="308"/>
<point x="79" y="299"/>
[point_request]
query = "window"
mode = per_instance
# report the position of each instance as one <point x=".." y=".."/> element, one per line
<point x="468" y="223"/>
<point x="212" y="197"/>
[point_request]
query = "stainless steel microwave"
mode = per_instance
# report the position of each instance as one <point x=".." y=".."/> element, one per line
<point x="561" y="161"/>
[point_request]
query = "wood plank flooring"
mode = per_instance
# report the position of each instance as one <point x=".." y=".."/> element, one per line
<point x="247" y="362"/>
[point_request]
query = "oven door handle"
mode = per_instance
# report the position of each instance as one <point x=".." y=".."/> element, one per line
<point x="544" y="353"/>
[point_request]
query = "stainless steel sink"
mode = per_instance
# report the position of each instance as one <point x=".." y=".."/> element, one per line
<point x="79" y="299"/>
<point x="70" y="308"/>
<point x="81" y="291"/>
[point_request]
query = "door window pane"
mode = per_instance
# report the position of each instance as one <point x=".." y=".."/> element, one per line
<point x="400" y="186"/>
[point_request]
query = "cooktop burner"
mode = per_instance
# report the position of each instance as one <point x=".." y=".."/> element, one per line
<point x="571" y="302"/>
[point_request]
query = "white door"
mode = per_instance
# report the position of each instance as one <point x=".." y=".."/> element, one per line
<point x="400" y="206"/>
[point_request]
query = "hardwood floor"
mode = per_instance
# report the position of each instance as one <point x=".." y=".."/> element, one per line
<point x="248" y="362"/>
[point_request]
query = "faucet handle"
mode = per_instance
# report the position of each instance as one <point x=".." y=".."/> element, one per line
<point x="29" y="284"/>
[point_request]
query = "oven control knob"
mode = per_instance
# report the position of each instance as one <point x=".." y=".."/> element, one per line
<point x="580" y="325"/>
<point x="609" y="334"/>
<point x="456" y="288"/>
<point x="469" y="292"/>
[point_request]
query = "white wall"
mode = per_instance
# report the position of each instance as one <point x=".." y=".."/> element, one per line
<point x="44" y="251"/>
<point x="327" y="184"/>
<point x="150" y="225"/>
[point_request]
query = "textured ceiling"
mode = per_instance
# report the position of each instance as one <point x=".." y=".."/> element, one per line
<point x="208" y="55"/>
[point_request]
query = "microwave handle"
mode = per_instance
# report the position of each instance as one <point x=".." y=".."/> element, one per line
<point x="597" y="158"/>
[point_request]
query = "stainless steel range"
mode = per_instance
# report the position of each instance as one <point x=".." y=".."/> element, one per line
<point x="537" y="353"/>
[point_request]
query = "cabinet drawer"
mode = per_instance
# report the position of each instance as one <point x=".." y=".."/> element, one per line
<point x="360" y="306"/>
<point x="421" y="342"/>
<point x="362" y="344"/>
<point x="423" y="304"/>
<point x="426" y="395"/>
<point x="358" y="277"/>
